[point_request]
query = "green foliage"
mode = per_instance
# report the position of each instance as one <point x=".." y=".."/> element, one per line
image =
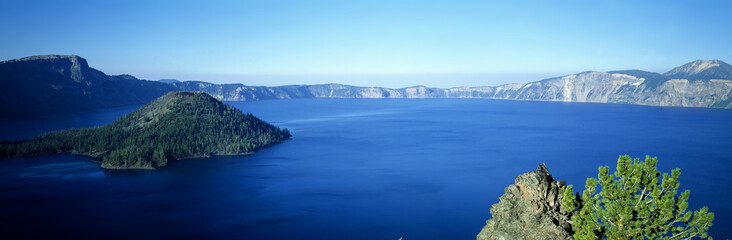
<point x="177" y="125"/>
<point x="632" y="204"/>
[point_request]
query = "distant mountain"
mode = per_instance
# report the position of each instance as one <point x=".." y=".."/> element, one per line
<point x="625" y="87"/>
<point x="66" y="82"/>
<point x="706" y="86"/>
<point x="175" y="126"/>
<point x="699" y="69"/>
<point x="241" y="92"/>
<point x="652" y="79"/>
<point x="168" y="81"/>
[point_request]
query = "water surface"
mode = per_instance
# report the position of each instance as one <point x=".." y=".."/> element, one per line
<point x="359" y="169"/>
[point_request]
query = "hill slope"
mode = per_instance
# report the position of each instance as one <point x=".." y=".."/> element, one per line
<point x="65" y="82"/>
<point x="699" y="69"/>
<point x="175" y="126"/>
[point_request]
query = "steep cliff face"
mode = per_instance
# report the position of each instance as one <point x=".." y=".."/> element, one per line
<point x="685" y="93"/>
<point x="64" y="66"/>
<point x="584" y="87"/>
<point x="653" y="90"/>
<point x="530" y="209"/>
<point x="65" y="82"/>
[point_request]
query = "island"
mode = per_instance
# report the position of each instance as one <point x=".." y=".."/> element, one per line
<point x="176" y="126"/>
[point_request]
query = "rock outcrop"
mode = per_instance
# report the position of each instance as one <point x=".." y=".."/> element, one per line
<point x="530" y="209"/>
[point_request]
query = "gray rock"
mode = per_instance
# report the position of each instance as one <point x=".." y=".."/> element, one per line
<point x="530" y="209"/>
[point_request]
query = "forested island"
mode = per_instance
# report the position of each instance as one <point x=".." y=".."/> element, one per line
<point x="177" y="125"/>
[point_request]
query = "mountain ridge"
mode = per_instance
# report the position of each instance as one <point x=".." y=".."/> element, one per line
<point x="52" y="81"/>
<point x="702" y="69"/>
<point x="66" y="82"/>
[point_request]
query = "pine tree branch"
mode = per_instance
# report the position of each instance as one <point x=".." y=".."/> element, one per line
<point x="683" y="231"/>
<point x="636" y="181"/>
<point x="611" y="222"/>
<point x="690" y="236"/>
<point x="641" y="197"/>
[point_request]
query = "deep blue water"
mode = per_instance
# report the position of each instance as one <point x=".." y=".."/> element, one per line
<point x="359" y="169"/>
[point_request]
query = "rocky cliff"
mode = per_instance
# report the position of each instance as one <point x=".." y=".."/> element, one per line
<point x="66" y="82"/>
<point x="530" y="209"/>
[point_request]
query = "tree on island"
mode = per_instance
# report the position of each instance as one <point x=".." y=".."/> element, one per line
<point x="632" y="204"/>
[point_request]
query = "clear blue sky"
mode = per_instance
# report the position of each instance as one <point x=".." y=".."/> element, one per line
<point x="388" y="43"/>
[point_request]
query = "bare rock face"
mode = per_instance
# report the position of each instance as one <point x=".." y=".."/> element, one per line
<point x="530" y="209"/>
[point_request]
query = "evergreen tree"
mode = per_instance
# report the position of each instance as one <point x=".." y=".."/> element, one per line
<point x="632" y="204"/>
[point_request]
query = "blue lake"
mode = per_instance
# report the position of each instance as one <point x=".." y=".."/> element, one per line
<point x="358" y="169"/>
